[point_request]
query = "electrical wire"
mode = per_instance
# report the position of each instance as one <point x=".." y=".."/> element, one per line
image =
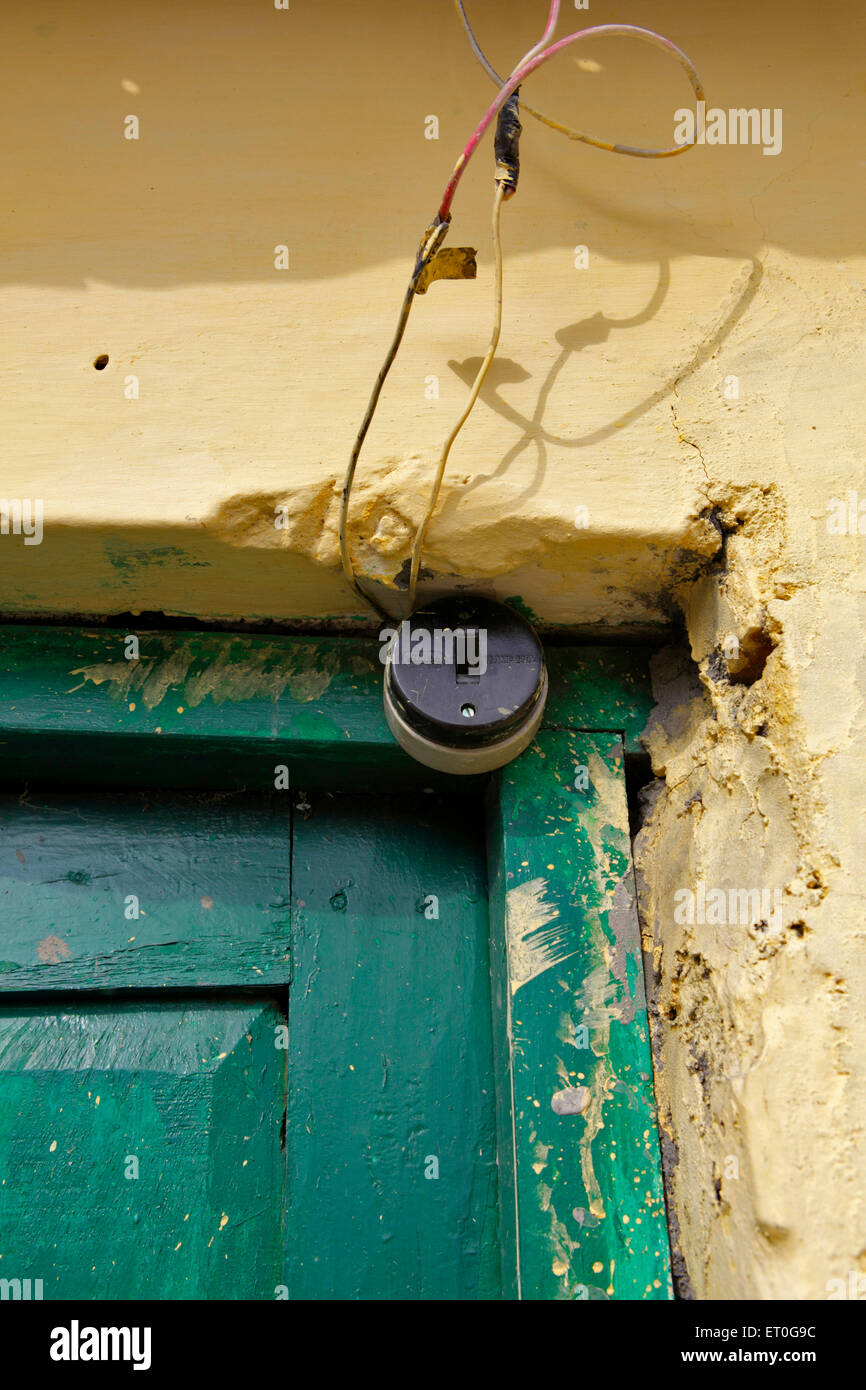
<point x="552" y="20"/>
<point x="432" y="240"/>
<point x="524" y="70"/>
<point x="556" y="125"/>
<point x="473" y="395"/>
<point x="438" y="230"/>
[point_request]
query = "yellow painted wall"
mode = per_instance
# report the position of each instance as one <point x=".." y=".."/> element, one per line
<point x="305" y="127"/>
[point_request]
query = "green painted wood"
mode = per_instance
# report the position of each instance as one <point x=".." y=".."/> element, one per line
<point x="194" y="1093"/>
<point x="206" y="710"/>
<point x="600" y="688"/>
<point x="582" y="1198"/>
<point x="313" y="703"/>
<point x="101" y="891"/>
<point x="391" y="1038"/>
<point x="391" y="1055"/>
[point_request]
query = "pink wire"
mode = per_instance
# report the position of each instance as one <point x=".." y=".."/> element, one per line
<point x="526" y="68"/>
<point x="552" y="21"/>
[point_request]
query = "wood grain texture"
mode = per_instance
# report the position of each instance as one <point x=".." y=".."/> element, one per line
<point x="209" y="875"/>
<point x="194" y="1093"/>
<point x="582" y="1198"/>
<point x="391" y="1062"/>
<point x="217" y="710"/>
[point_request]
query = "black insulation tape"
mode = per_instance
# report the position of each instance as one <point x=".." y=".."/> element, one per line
<point x="506" y="145"/>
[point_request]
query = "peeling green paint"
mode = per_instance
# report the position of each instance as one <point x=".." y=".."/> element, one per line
<point x="589" y="1218"/>
<point x="265" y="673"/>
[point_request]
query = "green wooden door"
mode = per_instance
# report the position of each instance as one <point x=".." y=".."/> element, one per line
<point x="140" y="1148"/>
<point x="261" y="1044"/>
<point x="141" y="1152"/>
<point x="141" y="1094"/>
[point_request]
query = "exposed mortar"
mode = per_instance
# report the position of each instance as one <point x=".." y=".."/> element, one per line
<point x="735" y="807"/>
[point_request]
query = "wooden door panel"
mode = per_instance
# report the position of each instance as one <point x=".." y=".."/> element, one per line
<point x="143" y="890"/>
<point x="140" y="1149"/>
<point x="391" y="1114"/>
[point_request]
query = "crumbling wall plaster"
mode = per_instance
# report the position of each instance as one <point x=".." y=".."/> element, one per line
<point x="757" y="992"/>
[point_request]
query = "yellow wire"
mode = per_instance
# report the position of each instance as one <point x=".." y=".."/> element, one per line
<point x="473" y="395"/>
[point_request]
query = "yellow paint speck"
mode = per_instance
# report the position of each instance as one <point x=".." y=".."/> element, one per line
<point x="132" y="705"/>
<point x="52" y="1146"/>
<point x="597" y="1267"/>
<point x="179" y="1244"/>
<point x="96" y="1102"/>
<point x="180" y="709"/>
<point x="224" y="1221"/>
<point x="559" y="1268"/>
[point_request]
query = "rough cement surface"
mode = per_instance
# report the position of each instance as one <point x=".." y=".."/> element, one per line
<point x="757" y="1017"/>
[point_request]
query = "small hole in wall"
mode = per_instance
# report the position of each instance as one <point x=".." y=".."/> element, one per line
<point x="101" y="362"/>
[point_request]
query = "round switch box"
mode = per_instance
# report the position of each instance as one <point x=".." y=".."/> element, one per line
<point x="465" y="685"/>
